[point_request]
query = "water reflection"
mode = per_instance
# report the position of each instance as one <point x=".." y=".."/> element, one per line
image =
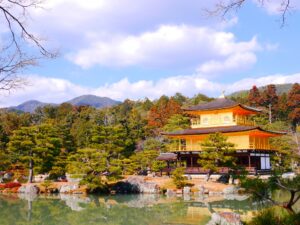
<point x="118" y="209"/>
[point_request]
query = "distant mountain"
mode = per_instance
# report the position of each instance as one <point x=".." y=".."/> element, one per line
<point x="90" y="100"/>
<point x="93" y="100"/>
<point x="281" y="88"/>
<point x="29" y="106"/>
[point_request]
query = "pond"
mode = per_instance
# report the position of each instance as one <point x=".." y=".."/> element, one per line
<point x="118" y="209"/>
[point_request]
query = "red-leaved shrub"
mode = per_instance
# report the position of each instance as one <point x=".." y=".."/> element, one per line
<point x="10" y="185"/>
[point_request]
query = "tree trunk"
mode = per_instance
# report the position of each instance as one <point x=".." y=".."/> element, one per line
<point x="208" y="175"/>
<point x="29" y="210"/>
<point x="30" y="176"/>
<point x="289" y="205"/>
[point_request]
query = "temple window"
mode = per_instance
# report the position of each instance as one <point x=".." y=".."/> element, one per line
<point x="226" y="119"/>
<point x="205" y="120"/>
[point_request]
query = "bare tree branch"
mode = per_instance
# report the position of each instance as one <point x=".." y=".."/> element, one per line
<point x="224" y="7"/>
<point x="17" y="51"/>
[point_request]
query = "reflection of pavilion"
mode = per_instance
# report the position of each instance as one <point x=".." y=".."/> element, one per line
<point x="232" y="120"/>
<point x="150" y="209"/>
<point x="245" y="209"/>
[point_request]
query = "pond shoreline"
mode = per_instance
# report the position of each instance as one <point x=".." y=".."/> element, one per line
<point x="128" y="185"/>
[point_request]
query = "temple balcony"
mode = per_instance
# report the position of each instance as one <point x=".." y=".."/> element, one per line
<point x="220" y="120"/>
<point x="253" y="143"/>
<point x="243" y="121"/>
<point x="177" y="147"/>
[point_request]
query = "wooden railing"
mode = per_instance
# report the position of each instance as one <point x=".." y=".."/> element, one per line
<point x="195" y="121"/>
<point x="238" y="120"/>
<point x="243" y="121"/>
<point x="200" y="170"/>
<point x="178" y="147"/>
<point x="259" y="144"/>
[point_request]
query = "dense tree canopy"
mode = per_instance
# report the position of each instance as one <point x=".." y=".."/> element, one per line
<point x="127" y="137"/>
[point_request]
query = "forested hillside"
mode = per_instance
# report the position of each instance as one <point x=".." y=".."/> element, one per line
<point x="122" y="139"/>
<point x="280" y="89"/>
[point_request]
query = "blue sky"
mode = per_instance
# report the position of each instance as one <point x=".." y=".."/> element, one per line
<point x="146" y="48"/>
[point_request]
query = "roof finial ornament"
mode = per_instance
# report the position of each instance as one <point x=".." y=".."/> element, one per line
<point x="222" y="95"/>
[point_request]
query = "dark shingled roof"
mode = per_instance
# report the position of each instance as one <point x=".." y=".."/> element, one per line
<point x="220" y="103"/>
<point x="167" y="156"/>
<point x="225" y="129"/>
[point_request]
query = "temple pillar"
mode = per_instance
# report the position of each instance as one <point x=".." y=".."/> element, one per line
<point x="249" y="160"/>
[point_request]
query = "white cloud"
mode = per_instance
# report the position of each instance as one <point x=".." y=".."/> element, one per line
<point x="127" y="33"/>
<point x="70" y="21"/>
<point x="236" y="61"/>
<point x="171" y="45"/>
<point x="189" y="85"/>
<point x="59" y="90"/>
<point x="44" y="89"/>
<point x="247" y="83"/>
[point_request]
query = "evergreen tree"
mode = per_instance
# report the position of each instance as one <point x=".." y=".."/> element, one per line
<point x="216" y="152"/>
<point x="92" y="163"/>
<point x="177" y="122"/>
<point x="112" y="142"/>
<point x="180" y="98"/>
<point x="82" y="126"/>
<point x="36" y="147"/>
<point x="198" y="99"/>
<point x="21" y="148"/>
<point x="144" y="157"/>
<point x="158" y="166"/>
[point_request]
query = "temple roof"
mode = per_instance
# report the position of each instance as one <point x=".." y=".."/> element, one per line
<point x="225" y="129"/>
<point x="220" y="103"/>
<point x="167" y="156"/>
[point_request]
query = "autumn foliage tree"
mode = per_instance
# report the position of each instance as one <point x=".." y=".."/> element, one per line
<point x="270" y="100"/>
<point x="282" y="113"/>
<point x="254" y="97"/>
<point x="162" y="111"/>
<point x="270" y="96"/>
<point x="294" y="104"/>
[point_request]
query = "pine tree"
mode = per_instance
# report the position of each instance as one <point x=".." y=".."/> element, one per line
<point x="36" y="147"/>
<point x="92" y="163"/>
<point x="112" y="142"/>
<point x="177" y="122"/>
<point x="216" y="152"/>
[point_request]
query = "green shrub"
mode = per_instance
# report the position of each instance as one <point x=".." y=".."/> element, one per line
<point x="47" y="184"/>
<point x="178" y="177"/>
<point x="158" y="166"/>
<point x="276" y="216"/>
<point x="94" y="184"/>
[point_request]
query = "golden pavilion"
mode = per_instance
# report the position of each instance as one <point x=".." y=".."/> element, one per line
<point x="232" y="119"/>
